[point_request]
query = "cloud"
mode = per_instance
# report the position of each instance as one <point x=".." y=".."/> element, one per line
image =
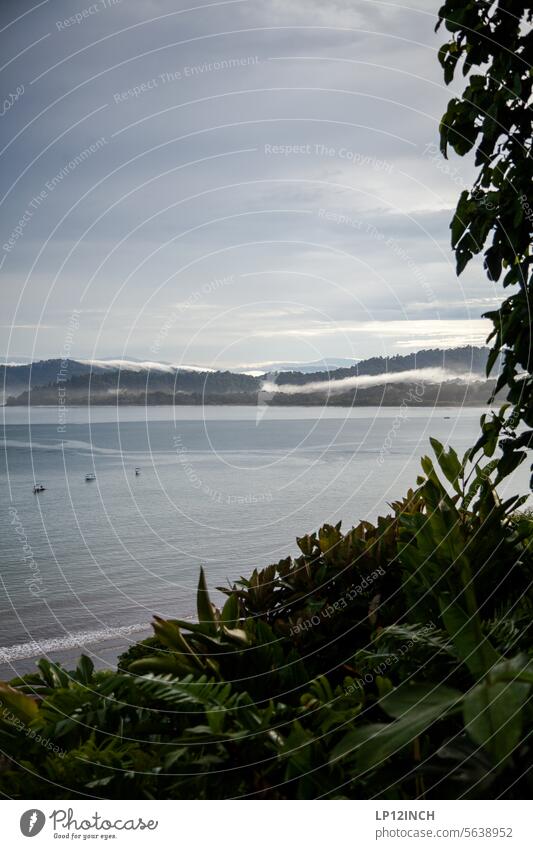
<point x="331" y="387"/>
<point x="337" y="13"/>
<point x="461" y="332"/>
<point x="477" y="303"/>
<point x="137" y="366"/>
<point x="182" y="191"/>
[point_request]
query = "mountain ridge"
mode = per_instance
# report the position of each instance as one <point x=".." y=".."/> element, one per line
<point x="448" y="371"/>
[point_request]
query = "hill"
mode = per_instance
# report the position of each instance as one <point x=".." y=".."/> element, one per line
<point x="453" y="376"/>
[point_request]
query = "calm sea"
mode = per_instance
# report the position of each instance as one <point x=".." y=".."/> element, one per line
<point x="221" y="487"/>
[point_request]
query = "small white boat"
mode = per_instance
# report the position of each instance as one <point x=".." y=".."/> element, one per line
<point x="137" y="470"/>
<point x="90" y="476"/>
<point x="39" y="487"/>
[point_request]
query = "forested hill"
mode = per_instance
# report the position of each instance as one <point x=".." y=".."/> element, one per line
<point x="79" y="383"/>
<point x="458" y="360"/>
<point x="17" y="378"/>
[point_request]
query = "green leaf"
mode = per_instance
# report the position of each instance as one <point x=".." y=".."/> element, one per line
<point x="493" y="716"/>
<point x="482" y="477"/>
<point x="236" y="635"/>
<point x="517" y="668"/>
<point x="14" y="702"/>
<point x="229" y="615"/>
<point x="206" y="613"/>
<point x="84" y="670"/>
<point x="416" y="709"/>
<point x="53" y="674"/>
<point x="170" y="635"/>
<point x="170" y="664"/>
<point x="508" y="463"/>
<point x="473" y="648"/>
<point x="425" y="698"/>
<point x="449" y="463"/>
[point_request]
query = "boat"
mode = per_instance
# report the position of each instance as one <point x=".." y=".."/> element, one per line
<point x="39" y="487"/>
<point x="90" y="476"/>
<point x="137" y="470"/>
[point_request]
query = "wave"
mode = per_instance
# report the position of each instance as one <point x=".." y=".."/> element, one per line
<point x="68" y="641"/>
<point x="70" y="444"/>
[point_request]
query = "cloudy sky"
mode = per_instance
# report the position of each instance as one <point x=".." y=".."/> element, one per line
<point x="226" y="183"/>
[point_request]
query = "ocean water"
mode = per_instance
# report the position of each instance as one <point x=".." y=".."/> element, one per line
<point x="228" y="488"/>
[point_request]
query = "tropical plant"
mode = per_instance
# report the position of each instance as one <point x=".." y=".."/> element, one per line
<point x="494" y="117"/>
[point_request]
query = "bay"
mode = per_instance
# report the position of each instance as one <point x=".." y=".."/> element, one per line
<point x="85" y="565"/>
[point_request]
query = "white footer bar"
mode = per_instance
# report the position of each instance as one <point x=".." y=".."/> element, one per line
<point x="267" y="824"/>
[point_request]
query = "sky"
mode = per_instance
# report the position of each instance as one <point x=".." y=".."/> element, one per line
<point x="228" y="183"/>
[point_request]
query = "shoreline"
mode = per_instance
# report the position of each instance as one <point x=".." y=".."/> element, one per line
<point x="103" y="653"/>
<point x="298" y="401"/>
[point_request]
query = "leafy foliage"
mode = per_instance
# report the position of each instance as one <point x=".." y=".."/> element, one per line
<point x="496" y="216"/>
<point x="383" y="662"/>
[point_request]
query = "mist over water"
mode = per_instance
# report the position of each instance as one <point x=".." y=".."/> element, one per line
<point x="363" y="381"/>
<point x="217" y="487"/>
